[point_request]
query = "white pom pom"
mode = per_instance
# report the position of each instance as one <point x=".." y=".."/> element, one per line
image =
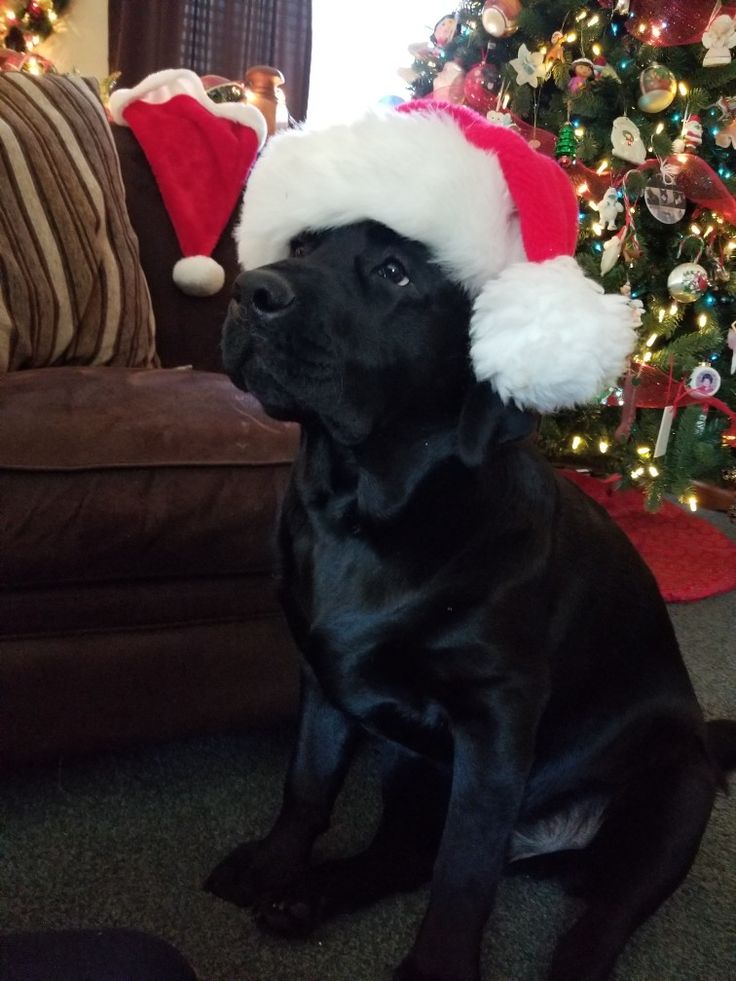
<point x="199" y="275"/>
<point x="547" y="337"/>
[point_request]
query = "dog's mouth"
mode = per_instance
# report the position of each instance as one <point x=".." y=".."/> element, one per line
<point x="289" y="373"/>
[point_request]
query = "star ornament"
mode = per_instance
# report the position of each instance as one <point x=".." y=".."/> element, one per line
<point x="529" y="66"/>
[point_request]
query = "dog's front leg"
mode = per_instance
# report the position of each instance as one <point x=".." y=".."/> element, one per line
<point x="318" y="766"/>
<point x="493" y="750"/>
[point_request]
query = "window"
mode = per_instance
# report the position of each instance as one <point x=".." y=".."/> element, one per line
<point x="356" y="51"/>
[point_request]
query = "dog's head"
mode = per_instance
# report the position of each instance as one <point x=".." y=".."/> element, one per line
<point x="357" y="328"/>
<point x="396" y="305"/>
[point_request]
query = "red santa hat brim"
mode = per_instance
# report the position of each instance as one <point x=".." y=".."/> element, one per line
<point x="499" y="218"/>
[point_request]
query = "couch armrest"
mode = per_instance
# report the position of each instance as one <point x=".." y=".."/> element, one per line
<point x="187" y="328"/>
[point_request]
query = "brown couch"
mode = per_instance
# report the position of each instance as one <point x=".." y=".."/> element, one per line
<point x="137" y="510"/>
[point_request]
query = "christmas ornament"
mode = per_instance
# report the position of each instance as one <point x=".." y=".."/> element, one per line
<point x="627" y="141"/>
<point x="529" y="66"/>
<point x="664" y="199"/>
<point x="726" y="136"/>
<point x="450" y="82"/>
<point x="200" y="154"/>
<point x="566" y="148"/>
<point x="500" y="17"/>
<point x="444" y="30"/>
<point x="612" y="251"/>
<point x="691" y="135"/>
<point x="658" y="88"/>
<point x="731" y="342"/>
<point x="718" y="39"/>
<point x="481" y="86"/>
<point x="556" y="51"/>
<point x="609" y="208"/>
<point x="687" y="282"/>
<point x="583" y="70"/>
<point x="704" y="381"/>
<point x="500" y="118"/>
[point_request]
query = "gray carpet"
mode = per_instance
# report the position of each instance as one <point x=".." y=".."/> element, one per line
<point x="126" y="840"/>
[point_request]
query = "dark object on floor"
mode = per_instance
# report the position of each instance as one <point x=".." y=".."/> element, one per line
<point x="90" y="955"/>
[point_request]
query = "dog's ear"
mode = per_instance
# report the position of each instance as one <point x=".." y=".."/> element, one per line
<point x="486" y="422"/>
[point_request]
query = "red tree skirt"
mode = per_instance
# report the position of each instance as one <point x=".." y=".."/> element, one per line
<point x="690" y="558"/>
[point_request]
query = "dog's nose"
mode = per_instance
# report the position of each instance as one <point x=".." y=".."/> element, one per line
<point x="266" y="291"/>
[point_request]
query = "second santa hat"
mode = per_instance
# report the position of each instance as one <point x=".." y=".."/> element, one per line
<point x="200" y="153"/>
<point x="499" y="218"/>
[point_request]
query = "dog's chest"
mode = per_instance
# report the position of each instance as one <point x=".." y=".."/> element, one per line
<point x="364" y="630"/>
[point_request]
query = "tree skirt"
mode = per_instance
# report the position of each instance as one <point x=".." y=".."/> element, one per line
<point x="690" y="558"/>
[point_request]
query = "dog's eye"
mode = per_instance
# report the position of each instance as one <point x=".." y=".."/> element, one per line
<point x="393" y="270"/>
<point x="301" y="246"/>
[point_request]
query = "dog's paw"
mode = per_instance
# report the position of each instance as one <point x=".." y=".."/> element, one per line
<point x="289" y="912"/>
<point x="244" y="875"/>
<point x="584" y="953"/>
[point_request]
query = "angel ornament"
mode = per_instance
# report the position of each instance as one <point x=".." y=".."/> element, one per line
<point x="719" y="37"/>
<point x="609" y="208"/>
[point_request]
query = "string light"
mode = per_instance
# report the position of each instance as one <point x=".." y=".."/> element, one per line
<point x="576" y="442"/>
<point x="597" y="50"/>
<point x="637" y="473"/>
<point x="653" y="472"/>
<point x="660" y="128"/>
<point x="695" y="229"/>
<point x="653" y="337"/>
<point x="693" y="502"/>
<point x="604" y="165"/>
<point x="571" y="37"/>
<point x="644" y="450"/>
<point x="673" y="309"/>
<point x="702" y="320"/>
<point x="593" y="20"/>
<point x="647" y="357"/>
<point x="604" y="445"/>
<point x="683" y="89"/>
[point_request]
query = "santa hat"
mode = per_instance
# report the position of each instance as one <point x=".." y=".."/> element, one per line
<point x="200" y="153"/>
<point x="498" y="217"/>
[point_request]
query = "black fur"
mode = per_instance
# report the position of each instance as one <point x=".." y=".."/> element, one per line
<point x="454" y="597"/>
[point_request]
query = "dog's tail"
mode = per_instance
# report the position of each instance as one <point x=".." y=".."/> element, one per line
<point x="722" y="742"/>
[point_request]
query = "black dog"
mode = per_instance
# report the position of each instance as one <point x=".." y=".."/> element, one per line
<point x="453" y="596"/>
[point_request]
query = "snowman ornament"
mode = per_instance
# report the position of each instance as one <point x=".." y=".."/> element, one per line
<point x="609" y="208"/>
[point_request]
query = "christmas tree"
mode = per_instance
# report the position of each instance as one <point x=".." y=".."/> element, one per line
<point x="24" y="25"/>
<point x="637" y="99"/>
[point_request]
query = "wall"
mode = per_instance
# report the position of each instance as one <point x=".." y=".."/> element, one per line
<point x="82" y="45"/>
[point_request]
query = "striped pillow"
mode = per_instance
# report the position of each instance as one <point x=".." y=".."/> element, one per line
<point x="72" y="290"/>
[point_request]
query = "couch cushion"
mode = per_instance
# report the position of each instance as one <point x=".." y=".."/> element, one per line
<point x="72" y="290"/>
<point x="115" y="475"/>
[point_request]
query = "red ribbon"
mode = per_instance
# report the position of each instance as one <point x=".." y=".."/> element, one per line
<point x="677" y="22"/>
<point x="654" y="391"/>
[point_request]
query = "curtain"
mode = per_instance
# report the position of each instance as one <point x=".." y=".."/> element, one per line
<point x="219" y="37"/>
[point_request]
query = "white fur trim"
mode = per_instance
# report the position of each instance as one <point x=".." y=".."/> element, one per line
<point x="164" y="85"/>
<point x="199" y="275"/>
<point x="547" y="337"/>
<point x="415" y="172"/>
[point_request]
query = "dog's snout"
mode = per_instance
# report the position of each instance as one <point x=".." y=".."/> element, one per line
<point x="265" y="291"/>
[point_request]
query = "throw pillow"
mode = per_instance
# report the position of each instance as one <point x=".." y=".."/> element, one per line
<point x="72" y="290"/>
